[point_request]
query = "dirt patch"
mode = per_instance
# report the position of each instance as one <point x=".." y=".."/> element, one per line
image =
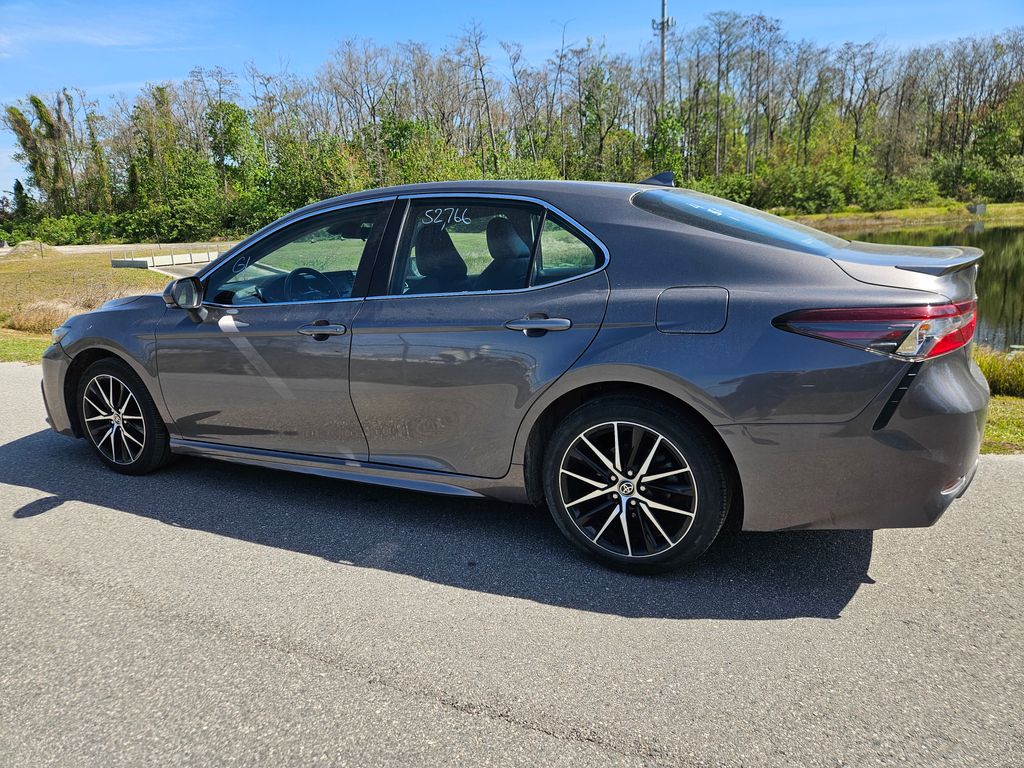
<point x="30" y="249"/>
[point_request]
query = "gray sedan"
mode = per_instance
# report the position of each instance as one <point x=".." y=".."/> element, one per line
<point x="647" y="361"/>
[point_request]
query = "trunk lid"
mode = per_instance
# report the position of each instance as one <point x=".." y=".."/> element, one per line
<point x="946" y="270"/>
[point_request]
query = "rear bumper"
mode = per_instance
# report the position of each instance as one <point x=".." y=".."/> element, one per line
<point x="55" y="368"/>
<point x="853" y="476"/>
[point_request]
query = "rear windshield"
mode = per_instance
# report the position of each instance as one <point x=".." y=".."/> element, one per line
<point x="735" y="220"/>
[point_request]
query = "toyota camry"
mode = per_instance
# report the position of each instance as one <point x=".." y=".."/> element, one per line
<point x="646" y="361"/>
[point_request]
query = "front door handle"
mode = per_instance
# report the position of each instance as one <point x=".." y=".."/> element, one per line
<point x="538" y="326"/>
<point x="321" y="330"/>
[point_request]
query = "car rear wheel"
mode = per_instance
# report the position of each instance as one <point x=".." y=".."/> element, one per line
<point x="637" y="487"/>
<point x="120" y="420"/>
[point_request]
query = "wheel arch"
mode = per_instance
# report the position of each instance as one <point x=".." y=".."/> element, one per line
<point x="560" y="406"/>
<point x="80" y="362"/>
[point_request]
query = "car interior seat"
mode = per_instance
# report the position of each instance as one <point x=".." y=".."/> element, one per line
<point x="510" y="258"/>
<point x="438" y="260"/>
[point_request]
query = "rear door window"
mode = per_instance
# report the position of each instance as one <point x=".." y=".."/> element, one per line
<point x="461" y="245"/>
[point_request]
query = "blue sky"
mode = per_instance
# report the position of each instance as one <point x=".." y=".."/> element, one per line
<point x="115" y="47"/>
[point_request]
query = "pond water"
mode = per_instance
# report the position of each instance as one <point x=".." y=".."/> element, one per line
<point x="1000" y="275"/>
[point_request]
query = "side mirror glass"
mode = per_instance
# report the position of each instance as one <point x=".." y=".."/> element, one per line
<point x="186" y="293"/>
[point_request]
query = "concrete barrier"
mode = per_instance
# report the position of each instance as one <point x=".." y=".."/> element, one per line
<point x="164" y="260"/>
<point x="131" y="263"/>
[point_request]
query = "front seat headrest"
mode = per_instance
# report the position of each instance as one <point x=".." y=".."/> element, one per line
<point x="436" y="253"/>
<point x="504" y="242"/>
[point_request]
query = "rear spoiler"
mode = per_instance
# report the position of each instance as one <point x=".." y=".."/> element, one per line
<point x="935" y="261"/>
<point x="967" y="257"/>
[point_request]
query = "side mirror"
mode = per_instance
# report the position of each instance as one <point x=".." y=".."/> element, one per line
<point x="185" y="293"/>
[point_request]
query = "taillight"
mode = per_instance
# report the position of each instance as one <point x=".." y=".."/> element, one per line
<point x="909" y="333"/>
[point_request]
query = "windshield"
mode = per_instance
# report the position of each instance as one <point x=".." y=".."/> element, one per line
<point x="735" y="220"/>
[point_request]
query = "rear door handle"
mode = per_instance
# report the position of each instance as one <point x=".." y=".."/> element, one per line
<point x="537" y="326"/>
<point x="321" y="330"/>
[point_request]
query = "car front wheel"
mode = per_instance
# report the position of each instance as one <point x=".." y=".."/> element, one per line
<point x="120" y="420"/>
<point x="639" y="488"/>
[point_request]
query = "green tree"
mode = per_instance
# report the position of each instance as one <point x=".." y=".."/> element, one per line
<point x="23" y="208"/>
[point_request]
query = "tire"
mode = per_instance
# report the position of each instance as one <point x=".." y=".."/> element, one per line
<point x="672" y="513"/>
<point x="129" y="437"/>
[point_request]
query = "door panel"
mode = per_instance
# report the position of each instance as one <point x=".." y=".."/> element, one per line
<point x="252" y="376"/>
<point x="440" y="382"/>
<point x="267" y="366"/>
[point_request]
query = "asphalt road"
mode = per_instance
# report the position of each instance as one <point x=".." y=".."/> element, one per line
<point x="216" y="614"/>
<point x="181" y="270"/>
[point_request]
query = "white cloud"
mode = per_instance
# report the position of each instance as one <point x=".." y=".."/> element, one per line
<point x="64" y="23"/>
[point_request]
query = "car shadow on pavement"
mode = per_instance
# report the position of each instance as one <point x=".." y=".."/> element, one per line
<point x="486" y="546"/>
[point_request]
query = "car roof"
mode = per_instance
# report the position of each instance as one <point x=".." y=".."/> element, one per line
<point x="551" y="191"/>
<point x="587" y="202"/>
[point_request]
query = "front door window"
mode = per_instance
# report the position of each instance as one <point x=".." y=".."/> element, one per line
<point x="313" y="260"/>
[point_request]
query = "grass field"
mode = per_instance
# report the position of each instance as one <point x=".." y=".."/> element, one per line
<point x="21" y="347"/>
<point x="908" y="217"/>
<point x="1004" y="432"/>
<point x="37" y="295"/>
<point x="1005" y="372"/>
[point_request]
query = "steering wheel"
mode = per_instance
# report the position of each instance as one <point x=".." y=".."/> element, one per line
<point x="306" y="283"/>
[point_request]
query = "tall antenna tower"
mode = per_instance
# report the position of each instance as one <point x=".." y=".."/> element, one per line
<point x="662" y="26"/>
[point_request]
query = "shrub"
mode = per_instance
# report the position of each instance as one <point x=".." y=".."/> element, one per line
<point x="1006" y="181"/>
<point x="42" y="316"/>
<point x="880" y="195"/>
<point x="978" y="179"/>
<point x="731" y="186"/>
<point x="1004" y="370"/>
<point x="801" y="189"/>
<point x="61" y="231"/>
<point x="15" y="233"/>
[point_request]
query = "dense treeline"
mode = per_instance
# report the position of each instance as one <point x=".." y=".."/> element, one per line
<point x="746" y="113"/>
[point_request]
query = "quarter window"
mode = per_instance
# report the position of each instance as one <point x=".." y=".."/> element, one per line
<point x="562" y="254"/>
<point x="312" y="260"/>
